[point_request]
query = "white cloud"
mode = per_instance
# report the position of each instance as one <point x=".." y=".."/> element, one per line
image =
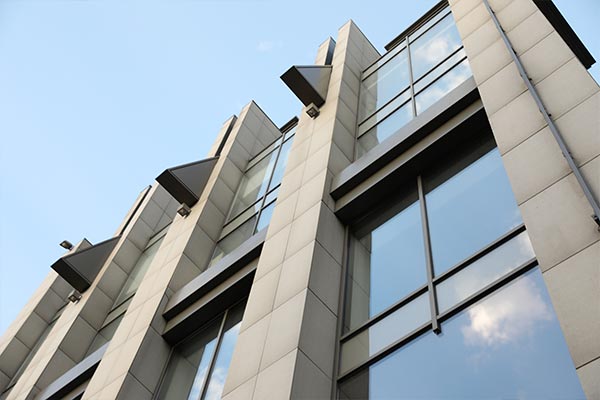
<point x="507" y="316"/>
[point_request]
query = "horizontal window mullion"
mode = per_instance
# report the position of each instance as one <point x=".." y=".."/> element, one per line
<point x="481" y="294"/>
<point x="487" y="290"/>
<point x="432" y="69"/>
<point x="372" y="321"/>
<point x="397" y="50"/>
<point x="395" y="98"/>
<point x="439" y="77"/>
<point x="436" y="18"/>
<point x="479" y="254"/>
<point x="386" y="351"/>
<point x="360" y="134"/>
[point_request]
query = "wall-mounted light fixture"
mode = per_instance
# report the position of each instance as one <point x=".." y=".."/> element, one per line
<point x="66" y="244"/>
<point x="74" y="296"/>
<point x="184" y="210"/>
<point x="312" y="111"/>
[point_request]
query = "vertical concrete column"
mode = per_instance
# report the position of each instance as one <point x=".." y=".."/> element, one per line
<point x="286" y="344"/>
<point x="553" y="206"/>
<point x="67" y="343"/>
<point x="137" y="354"/>
<point x="26" y="330"/>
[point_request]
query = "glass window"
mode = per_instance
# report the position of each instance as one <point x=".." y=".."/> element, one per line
<point x="254" y="184"/>
<point x="437" y="65"/>
<point x="439" y="42"/>
<point x="484" y="271"/>
<point x="385" y="129"/>
<point x="255" y="199"/>
<point x="509" y="345"/>
<point x="384" y="84"/>
<point x="387" y="262"/>
<point x="444" y="85"/>
<point x="469" y="210"/>
<point x="139" y="270"/>
<point x="198" y="367"/>
<point x="398" y="324"/>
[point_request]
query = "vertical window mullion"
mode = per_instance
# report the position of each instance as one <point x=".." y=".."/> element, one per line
<point x="214" y="356"/>
<point x="428" y="258"/>
<point x="410" y="77"/>
<point x="262" y="202"/>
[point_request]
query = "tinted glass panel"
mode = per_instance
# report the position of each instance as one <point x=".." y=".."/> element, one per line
<point x="433" y="46"/>
<point x="137" y="273"/>
<point x="254" y="184"/>
<point x="484" y="271"/>
<point x="385" y="129"/>
<point x="233" y="240"/>
<point x="385" y="332"/>
<point x="508" y="346"/>
<point x="189" y="363"/>
<point x="387" y="264"/>
<point x="470" y="210"/>
<point x="265" y="217"/>
<point x="281" y="163"/>
<point x="381" y="86"/>
<point x="443" y="86"/>
<point x="221" y="367"/>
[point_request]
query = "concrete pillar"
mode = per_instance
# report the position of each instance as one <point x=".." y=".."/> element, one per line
<point x="288" y="335"/>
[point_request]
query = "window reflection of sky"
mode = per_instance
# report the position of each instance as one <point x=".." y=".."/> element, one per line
<point x="507" y="346"/>
<point x="470" y="210"/>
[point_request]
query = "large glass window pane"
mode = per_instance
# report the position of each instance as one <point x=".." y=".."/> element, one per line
<point x="382" y="85"/>
<point x="233" y="240"/>
<point x="484" y="271"/>
<point x="443" y="86"/>
<point x="433" y="46"/>
<point x="138" y="271"/>
<point x="281" y="163"/>
<point x="226" y="347"/>
<point x="189" y="364"/>
<point x="507" y="346"/>
<point x="384" y="112"/>
<point x="387" y="263"/>
<point x="385" y="129"/>
<point x="469" y="210"/>
<point x="254" y="184"/>
<point x="385" y="332"/>
<point x="440" y="70"/>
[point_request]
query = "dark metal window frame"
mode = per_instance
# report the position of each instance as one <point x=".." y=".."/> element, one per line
<point x="439" y="318"/>
<point x="438" y="16"/>
<point x="210" y="369"/>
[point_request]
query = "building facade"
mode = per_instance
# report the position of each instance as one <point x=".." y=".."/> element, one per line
<point x="427" y="227"/>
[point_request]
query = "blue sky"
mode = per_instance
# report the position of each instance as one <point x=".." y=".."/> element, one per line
<point x="97" y="97"/>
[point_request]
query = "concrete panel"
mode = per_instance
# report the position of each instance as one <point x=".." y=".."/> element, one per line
<point x="554" y="53"/>
<point x="490" y="61"/>
<point x="294" y="274"/>
<point x="273" y="252"/>
<point x="247" y="355"/>
<point x="529" y="32"/>
<point x="480" y="39"/>
<point x="558" y="221"/>
<point x="310" y="383"/>
<point x="242" y="392"/>
<point x="150" y="360"/>
<point x="515" y="122"/>
<point x="261" y="299"/>
<point x="501" y="88"/>
<point x="318" y="334"/>
<point x="275" y="382"/>
<point x="574" y="286"/>
<point x="588" y="376"/>
<point x="534" y="165"/>
<point x="515" y="13"/>
<point x="580" y="128"/>
<point x="568" y="86"/>
<point x="284" y="330"/>
<point x="472" y="20"/>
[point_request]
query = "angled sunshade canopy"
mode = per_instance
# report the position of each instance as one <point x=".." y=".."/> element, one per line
<point x="80" y="268"/>
<point x="186" y="182"/>
<point x="309" y="83"/>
